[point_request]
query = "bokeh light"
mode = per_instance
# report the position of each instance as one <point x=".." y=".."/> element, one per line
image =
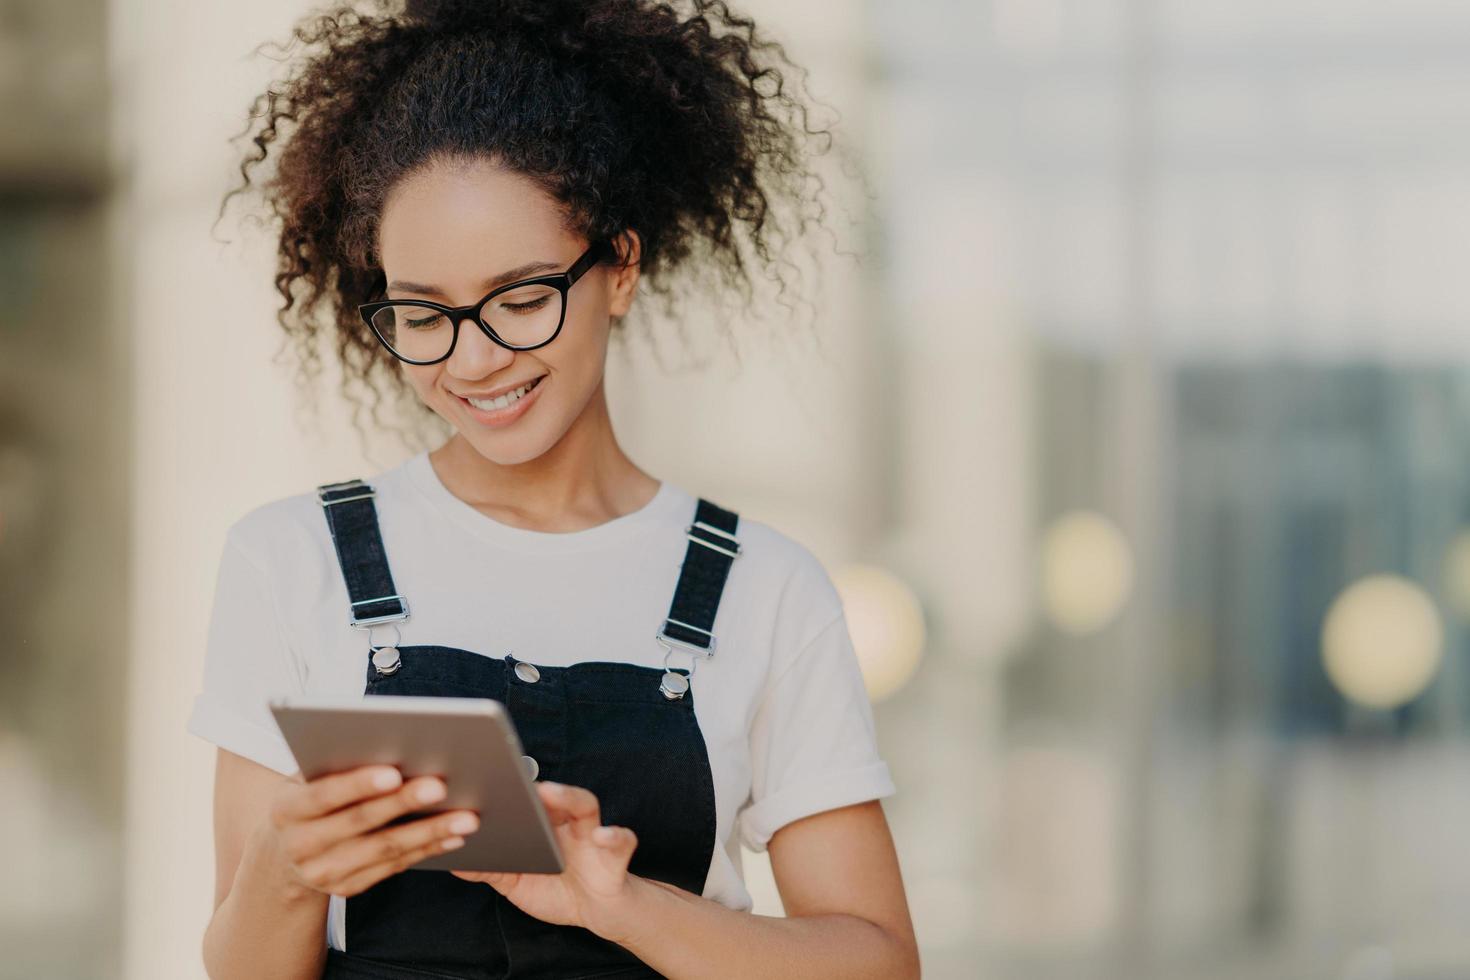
<point x="1382" y="641"/>
<point x="1086" y="572"/>
<point x="887" y="625"/>
<point x="1455" y="575"/>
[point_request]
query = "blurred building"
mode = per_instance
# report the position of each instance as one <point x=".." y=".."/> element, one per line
<point x="64" y="498"/>
<point x="1203" y="256"/>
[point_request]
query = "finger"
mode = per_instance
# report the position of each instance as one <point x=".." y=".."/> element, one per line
<point x="619" y="841"/>
<point x="470" y="875"/>
<point x="385" y="847"/>
<point x="611" y="835"/>
<point x="327" y="793"/>
<point x="571" y="805"/>
<point x="365" y="878"/>
<point x="321" y="833"/>
<point x="496" y="879"/>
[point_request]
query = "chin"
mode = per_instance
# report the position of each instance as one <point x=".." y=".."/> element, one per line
<point x="507" y="451"/>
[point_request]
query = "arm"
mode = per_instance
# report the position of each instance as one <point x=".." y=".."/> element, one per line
<point x="264" y="925"/>
<point x="284" y="846"/>
<point x="836" y="870"/>
<point x="840" y="883"/>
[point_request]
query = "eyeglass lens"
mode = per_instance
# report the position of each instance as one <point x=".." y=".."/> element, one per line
<point x="522" y="317"/>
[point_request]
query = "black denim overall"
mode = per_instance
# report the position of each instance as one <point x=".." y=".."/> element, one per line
<point x="626" y="732"/>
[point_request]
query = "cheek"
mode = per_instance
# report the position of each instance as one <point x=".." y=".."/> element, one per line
<point x="588" y="341"/>
<point x="421" y="380"/>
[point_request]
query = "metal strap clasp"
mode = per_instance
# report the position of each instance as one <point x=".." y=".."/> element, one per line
<point x="667" y="641"/>
<point x="733" y="550"/>
<point x="374" y="620"/>
<point x="325" y="498"/>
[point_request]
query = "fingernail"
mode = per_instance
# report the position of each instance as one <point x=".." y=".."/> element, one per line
<point x="429" y="792"/>
<point x="386" y="778"/>
<point x="450" y="843"/>
<point x="464" y="823"/>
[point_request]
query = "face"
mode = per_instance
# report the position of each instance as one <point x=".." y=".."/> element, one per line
<point x="455" y="233"/>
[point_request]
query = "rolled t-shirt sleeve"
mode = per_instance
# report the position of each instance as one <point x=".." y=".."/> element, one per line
<point x="813" y="746"/>
<point x="247" y="661"/>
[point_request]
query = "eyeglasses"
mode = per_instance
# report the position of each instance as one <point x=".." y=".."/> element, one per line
<point x="521" y="315"/>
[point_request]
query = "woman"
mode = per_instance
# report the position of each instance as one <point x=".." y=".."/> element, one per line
<point x="473" y="192"/>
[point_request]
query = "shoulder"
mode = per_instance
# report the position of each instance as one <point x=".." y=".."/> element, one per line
<point x="290" y="529"/>
<point x="272" y="533"/>
<point x="282" y="538"/>
<point x="780" y="573"/>
<point x="804" y="575"/>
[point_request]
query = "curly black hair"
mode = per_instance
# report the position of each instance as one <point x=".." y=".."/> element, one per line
<point x="672" y="119"/>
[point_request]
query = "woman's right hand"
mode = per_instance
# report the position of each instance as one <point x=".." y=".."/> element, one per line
<point x="328" y="835"/>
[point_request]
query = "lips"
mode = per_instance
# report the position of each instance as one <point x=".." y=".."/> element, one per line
<point x="499" y="417"/>
<point x="507" y="389"/>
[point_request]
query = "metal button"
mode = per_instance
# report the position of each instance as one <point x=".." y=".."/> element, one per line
<point x="673" y="685"/>
<point x="527" y="672"/>
<point x="533" y="768"/>
<point x="385" y="659"/>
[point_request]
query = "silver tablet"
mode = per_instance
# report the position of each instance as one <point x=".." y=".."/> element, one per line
<point x="470" y="743"/>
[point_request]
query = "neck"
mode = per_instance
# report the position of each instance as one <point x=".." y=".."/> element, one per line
<point x="585" y="479"/>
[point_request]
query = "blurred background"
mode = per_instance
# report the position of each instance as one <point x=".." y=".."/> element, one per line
<point x="1135" y="442"/>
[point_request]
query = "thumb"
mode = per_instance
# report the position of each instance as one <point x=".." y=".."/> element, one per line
<point x="616" y="840"/>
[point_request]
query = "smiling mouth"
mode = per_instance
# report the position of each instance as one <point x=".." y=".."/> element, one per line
<point x="506" y="400"/>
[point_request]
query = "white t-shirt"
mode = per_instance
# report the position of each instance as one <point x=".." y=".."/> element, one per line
<point x="781" y="705"/>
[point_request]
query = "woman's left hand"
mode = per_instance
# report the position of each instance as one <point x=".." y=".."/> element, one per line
<point x="594" y="887"/>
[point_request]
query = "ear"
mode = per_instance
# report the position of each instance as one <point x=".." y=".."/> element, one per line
<point x="623" y="277"/>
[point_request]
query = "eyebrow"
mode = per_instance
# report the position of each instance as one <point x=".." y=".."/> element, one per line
<point x="510" y="275"/>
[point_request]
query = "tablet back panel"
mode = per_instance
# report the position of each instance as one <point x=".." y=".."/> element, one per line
<point x="469" y="742"/>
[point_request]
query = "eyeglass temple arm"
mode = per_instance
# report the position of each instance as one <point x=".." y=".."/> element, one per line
<point x="589" y="258"/>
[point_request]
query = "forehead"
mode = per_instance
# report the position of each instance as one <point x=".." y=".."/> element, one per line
<point x="446" y="220"/>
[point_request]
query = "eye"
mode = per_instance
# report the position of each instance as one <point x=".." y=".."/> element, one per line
<point x="520" y="302"/>
<point x="419" y="322"/>
<point x="525" y="307"/>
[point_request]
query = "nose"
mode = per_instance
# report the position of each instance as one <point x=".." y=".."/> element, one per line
<point x="475" y="354"/>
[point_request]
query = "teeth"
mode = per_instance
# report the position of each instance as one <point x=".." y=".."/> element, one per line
<point x="490" y="405"/>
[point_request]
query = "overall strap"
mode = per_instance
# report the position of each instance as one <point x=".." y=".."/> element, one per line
<point x="353" y="521"/>
<point x="712" y="549"/>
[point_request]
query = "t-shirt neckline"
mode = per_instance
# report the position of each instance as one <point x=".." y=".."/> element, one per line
<point x="422" y="475"/>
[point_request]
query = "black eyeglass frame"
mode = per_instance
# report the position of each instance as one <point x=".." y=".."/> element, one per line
<point x="561" y="281"/>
